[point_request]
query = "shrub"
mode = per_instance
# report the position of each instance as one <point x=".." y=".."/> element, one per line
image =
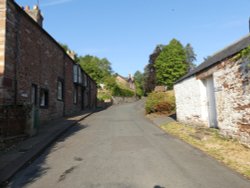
<point x="102" y="96"/>
<point x="160" y="102"/>
<point x="122" y="92"/>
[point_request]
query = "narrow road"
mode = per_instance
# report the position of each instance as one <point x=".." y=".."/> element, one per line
<point x="119" y="148"/>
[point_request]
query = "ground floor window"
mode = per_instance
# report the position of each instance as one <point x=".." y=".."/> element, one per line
<point x="44" y="98"/>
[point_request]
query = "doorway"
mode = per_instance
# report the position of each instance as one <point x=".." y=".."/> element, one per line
<point x="211" y="102"/>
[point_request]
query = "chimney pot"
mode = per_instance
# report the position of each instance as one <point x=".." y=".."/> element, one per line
<point x="35" y="13"/>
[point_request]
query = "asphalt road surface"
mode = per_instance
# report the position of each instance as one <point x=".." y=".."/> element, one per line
<point x="119" y="148"/>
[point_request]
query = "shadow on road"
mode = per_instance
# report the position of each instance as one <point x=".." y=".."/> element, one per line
<point x="38" y="167"/>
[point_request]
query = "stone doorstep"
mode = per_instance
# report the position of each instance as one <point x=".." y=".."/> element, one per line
<point x="34" y="146"/>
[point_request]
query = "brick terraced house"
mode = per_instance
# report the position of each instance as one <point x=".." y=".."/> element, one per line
<point x="217" y="92"/>
<point x="36" y="74"/>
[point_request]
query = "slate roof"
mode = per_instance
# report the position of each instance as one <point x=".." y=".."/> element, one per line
<point x="219" y="56"/>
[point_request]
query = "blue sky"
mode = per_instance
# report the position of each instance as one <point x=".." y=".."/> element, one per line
<point x="127" y="31"/>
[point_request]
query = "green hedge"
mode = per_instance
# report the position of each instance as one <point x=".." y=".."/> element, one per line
<point x="121" y="92"/>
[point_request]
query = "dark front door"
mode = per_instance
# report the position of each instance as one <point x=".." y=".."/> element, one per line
<point x="82" y="94"/>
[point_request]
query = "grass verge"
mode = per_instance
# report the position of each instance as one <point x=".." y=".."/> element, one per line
<point x="227" y="151"/>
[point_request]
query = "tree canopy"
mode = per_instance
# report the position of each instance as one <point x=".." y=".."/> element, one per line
<point x="139" y="83"/>
<point x="171" y="64"/>
<point x="191" y="56"/>
<point x="149" y="70"/>
<point x="98" y="69"/>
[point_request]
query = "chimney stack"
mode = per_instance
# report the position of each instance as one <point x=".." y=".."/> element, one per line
<point x="35" y="13"/>
<point x="71" y="54"/>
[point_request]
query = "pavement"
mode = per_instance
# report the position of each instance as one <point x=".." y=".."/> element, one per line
<point x="16" y="158"/>
<point x="120" y="148"/>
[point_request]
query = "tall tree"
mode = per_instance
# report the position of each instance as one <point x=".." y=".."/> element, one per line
<point x="98" y="69"/>
<point x="171" y="64"/>
<point x="149" y="71"/>
<point x="139" y="82"/>
<point x="191" y="56"/>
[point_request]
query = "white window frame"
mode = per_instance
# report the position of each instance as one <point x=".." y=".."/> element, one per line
<point x="75" y="73"/>
<point x="79" y="75"/>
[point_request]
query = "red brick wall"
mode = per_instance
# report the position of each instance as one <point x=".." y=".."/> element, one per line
<point x="93" y="94"/>
<point x="32" y="56"/>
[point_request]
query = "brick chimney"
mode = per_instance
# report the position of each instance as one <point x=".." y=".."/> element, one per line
<point x="35" y="13"/>
<point x="71" y="54"/>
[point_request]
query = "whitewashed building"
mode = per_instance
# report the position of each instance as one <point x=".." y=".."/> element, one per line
<point x="217" y="93"/>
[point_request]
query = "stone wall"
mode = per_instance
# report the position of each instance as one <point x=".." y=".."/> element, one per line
<point x="232" y="94"/>
<point x="122" y="100"/>
<point x="13" y="120"/>
<point x="232" y="80"/>
<point x="93" y="94"/>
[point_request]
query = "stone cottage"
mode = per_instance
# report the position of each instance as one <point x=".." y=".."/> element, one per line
<point x="128" y="82"/>
<point x="217" y="93"/>
<point x="36" y="73"/>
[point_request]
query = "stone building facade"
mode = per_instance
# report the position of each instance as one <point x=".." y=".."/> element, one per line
<point x="217" y="93"/>
<point x="35" y="69"/>
<point x="128" y="82"/>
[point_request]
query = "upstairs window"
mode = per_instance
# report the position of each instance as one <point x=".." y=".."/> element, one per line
<point x="75" y="73"/>
<point x="60" y="89"/>
<point x="85" y="80"/>
<point x="79" y="75"/>
<point x="44" y="98"/>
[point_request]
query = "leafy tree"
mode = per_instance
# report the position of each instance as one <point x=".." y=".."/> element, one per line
<point x="110" y="82"/>
<point x="171" y="64"/>
<point x="98" y="69"/>
<point x="149" y="71"/>
<point x="64" y="46"/>
<point x="191" y="56"/>
<point x="139" y="82"/>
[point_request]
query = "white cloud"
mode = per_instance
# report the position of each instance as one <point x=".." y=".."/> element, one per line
<point x="55" y="2"/>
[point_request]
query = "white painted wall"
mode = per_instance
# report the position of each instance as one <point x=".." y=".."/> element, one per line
<point x="232" y="99"/>
<point x="191" y="101"/>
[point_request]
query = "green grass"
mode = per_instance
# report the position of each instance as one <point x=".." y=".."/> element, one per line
<point x="228" y="151"/>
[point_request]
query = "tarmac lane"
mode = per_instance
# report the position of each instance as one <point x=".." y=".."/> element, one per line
<point x="119" y="148"/>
